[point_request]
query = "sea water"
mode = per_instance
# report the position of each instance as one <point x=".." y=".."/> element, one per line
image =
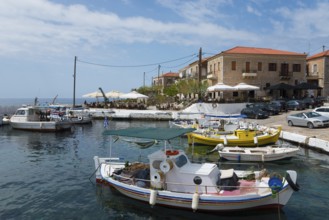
<point x="50" y="176"/>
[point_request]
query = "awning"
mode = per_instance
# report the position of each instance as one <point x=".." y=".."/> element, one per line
<point x="281" y="86"/>
<point x="306" y="85"/>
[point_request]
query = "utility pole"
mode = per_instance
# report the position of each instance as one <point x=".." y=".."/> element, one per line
<point x="158" y="74"/>
<point x="159" y="79"/>
<point x="74" y="76"/>
<point x="144" y="80"/>
<point x="200" y="71"/>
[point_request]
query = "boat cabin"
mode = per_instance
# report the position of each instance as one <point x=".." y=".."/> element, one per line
<point x="173" y="171"/>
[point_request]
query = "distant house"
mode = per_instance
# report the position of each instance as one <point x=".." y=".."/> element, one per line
<point x="318" y="71"/>
<point x="166" y="79"/>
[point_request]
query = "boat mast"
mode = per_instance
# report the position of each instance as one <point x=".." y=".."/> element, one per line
<point x="74" y="76"/>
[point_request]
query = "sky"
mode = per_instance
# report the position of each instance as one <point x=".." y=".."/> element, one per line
<point x="120" y="44"/>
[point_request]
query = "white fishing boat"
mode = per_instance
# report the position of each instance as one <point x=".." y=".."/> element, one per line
<point x="257" y="154"/>
<point x="34" y="118"/>
<point x="170" y="179"/>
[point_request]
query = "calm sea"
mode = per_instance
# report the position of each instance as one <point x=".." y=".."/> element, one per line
<point x="49" y="176"/>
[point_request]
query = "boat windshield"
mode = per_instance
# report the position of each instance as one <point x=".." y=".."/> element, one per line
<point x="180" y="161"/>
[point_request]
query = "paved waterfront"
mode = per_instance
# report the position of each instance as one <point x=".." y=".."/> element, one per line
<point x="320" y="133"/>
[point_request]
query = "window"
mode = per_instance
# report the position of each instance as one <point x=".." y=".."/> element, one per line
<point x="259" y="66"/>
<point x="214" y="67"/>
<point x="315" y="68"/>
<point x="233" y="65"/>
<point x="272" y="67"/>
<point x="210" y="68"/>
<point x="247" y="67"/>
<point x="218" y="66"/>
<point x="296" y="68"/>
<point x="180" y="161"/>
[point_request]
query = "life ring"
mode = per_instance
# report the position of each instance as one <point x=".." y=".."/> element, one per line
<point x="291" y="183"/>
<point x="166" y="166"/>
<point x="214" y="105"/>
<point x="79" y="118"/>
<point x="172" y="152"/>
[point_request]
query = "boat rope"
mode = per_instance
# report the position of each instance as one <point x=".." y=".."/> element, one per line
<point x="94" y="173"/>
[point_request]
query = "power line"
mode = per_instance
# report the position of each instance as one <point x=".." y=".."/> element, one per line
<point x="169" y="67"/>
<point x="130" y="66"/>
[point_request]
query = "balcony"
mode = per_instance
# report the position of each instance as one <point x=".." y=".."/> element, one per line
<point x="284" y="75"/>
<point x="249" y="74"/>
<point x="211" y="75"/>
<point x="313" y="75"/>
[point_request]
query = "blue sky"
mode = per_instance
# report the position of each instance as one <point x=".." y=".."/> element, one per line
<point x="40" y="38"/>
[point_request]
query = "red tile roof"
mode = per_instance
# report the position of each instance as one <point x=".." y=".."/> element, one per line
<point x="318" y="55"/>
<point x="170" y="74"/>
<point x="255" y="50"/>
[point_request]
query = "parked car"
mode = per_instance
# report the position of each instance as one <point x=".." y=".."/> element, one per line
<point x="271" y="109"/>
<point x="324" y="110"/>
<point x="280" y="104"/>
<point x="254" y="112"/>
<point x="311" y="102"/>
<point x="308" y="119"/>
<point x="321" y="100"/>
<point x="295" y="105"/>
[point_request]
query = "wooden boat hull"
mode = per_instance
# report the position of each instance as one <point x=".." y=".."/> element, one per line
<point x="263" y="154"/>
<point x="246" y="139"/>
<point x="206" y="202"/>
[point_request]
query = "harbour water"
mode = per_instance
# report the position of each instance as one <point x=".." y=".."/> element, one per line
<point x="49" y="176"/>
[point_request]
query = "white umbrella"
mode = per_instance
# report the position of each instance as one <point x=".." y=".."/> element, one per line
<point x="133" y="95"/>
<point x="113" y="94"/>
<point x="96" y="94"/>
<point x="220" y="87"/>
<point x="246" y="87"/>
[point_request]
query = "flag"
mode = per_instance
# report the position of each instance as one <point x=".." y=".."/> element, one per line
<point x="106" y="122"/>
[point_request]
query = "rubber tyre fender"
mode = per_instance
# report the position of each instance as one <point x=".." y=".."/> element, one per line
<point x="291" y="183"/>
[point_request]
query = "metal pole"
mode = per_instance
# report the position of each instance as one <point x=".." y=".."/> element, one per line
<point x="159" y="75"/>
<point x="200" y="71"/>
<point x="74" y="77"/>
<point x="144" y="80"/>
<point x="159" y="79"/>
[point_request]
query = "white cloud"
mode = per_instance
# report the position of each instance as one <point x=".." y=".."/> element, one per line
<point x="39" y="26"/>
<point x="253" y="10"/>
<point x="307" y="22"/>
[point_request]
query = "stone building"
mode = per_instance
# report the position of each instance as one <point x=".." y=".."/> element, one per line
<point x="260" y="67"/>
<point x="166" y="79"/>
<point x="317" y="71"/>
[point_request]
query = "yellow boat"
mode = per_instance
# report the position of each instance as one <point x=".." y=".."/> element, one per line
<point x="240" y="137"/>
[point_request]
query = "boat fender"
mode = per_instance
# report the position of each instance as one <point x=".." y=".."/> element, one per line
<point x="172" y="152"/>
<point x="195" y="201"/>
<point x="225" y="140"/>
<point x="214" y="105"/>
<point x="79" y="118"/>
<point x="291" y="183"/>
<point x="255" y="140"/>
<point x="275" y="183"/>
<point x="157" y="177"/>
<point x="166" y="166"/>
<point x="153" y="197"/>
